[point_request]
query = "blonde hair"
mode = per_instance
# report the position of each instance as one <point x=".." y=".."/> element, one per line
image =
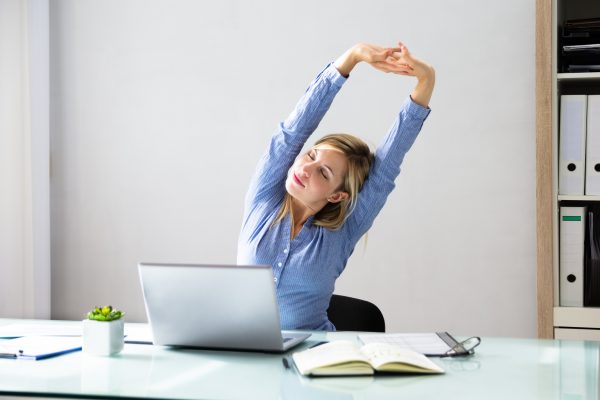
<point x="359" y="158"/>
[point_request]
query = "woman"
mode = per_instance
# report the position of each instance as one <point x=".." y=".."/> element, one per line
<point x="305" y="213"/>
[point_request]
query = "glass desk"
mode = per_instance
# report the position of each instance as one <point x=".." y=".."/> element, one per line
<point x="502" y="368"/>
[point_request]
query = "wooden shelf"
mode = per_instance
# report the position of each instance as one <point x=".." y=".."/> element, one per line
<point x="577" y="317"/>
<point x="578" y="198"/>
<point x="577" y="76"/>
<point x="577" y="334"/>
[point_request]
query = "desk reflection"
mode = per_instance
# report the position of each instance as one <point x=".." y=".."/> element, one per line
<point x="182" y="373"/>
<point x="298" y="387"/>
<point x="579" y="370"/>
<point x="201" y="373"/>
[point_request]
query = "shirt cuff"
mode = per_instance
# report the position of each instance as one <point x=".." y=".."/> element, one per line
<point x="415" y="109"/>
<point x="332" y="73"/>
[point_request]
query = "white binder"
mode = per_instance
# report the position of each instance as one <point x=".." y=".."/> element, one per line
<point x="572" y="239"/>
<point x="592" y="168"/>
<point x="571" y="173"/>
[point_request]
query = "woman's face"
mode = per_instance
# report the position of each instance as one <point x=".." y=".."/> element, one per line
<point x="315" y="177"/>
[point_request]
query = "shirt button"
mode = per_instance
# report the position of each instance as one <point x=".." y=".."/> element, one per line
<point x="275" y="279"/>
<point x="285" y="251"/>
<point x="279" y="264"/>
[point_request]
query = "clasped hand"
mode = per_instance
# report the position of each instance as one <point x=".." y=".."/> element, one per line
<point x="398" y="60"/>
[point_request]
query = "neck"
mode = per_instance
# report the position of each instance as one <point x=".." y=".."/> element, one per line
<point x="301" y="212"/>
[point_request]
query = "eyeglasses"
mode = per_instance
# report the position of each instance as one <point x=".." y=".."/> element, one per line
<point x="464" y="348"/>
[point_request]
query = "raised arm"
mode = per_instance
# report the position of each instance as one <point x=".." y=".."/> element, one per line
<point x="416" y="67"/>
<point x="268" y="182"/>
<point x="402" y="134"/>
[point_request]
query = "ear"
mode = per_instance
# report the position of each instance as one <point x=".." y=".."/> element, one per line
<point x="337" y="197"/>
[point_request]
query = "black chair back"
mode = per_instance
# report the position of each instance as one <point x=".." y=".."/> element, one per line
<point x="351" y="314"/>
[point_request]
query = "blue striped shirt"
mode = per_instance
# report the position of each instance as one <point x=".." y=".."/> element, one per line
<point x="305" y="269"/>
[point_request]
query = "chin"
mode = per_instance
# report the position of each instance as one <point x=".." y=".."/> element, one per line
<point x="292" y="190"/>
<point x="289" y="187"/>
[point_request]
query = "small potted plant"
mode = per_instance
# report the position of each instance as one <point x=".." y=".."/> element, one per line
<point x="103" y="331"/>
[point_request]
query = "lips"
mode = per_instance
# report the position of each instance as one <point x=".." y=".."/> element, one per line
<point x="297" y="180"/>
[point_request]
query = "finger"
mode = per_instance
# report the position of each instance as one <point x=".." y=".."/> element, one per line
<point x="395" y="71"/>
<point x="392" y="67"/>
<point x="404" y="73"/>
<point x="407" y="69"/>
<point x="398" y="49"/>
<point x="381" y="55"/>
<point x="404" y="68"/>
<point x="403" y="58"/>
<point x="404" y="49"/>
<point x="398" y="63"/>
<point x="385" y="66"/>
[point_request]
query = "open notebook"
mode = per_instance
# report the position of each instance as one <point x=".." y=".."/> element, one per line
<point x="429" y="344"/>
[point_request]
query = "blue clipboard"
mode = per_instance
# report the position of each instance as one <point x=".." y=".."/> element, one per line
<point x="39" y="347"/>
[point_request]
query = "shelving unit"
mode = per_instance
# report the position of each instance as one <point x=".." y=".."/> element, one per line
<point x="581" y="76"/>
<point x="567" y="322"/>
<point x="564" y="197"/>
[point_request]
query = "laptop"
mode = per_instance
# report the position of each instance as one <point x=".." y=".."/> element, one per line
<point x="229" y="307"/>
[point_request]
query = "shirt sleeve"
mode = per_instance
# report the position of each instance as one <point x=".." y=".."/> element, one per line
<point x="386" y="168"/>
<point x="267" y="183"/>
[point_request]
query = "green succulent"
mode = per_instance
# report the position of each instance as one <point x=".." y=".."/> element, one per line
<point x="106" y="313"/>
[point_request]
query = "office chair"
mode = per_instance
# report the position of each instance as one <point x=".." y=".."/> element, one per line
<point x="350" y="314"/>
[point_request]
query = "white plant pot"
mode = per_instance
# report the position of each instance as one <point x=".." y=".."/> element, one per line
<point x="103" y="338"/>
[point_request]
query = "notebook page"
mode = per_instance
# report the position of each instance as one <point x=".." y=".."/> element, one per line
<point x="424" y="343"/>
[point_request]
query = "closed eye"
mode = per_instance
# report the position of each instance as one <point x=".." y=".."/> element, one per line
<point x="325" y="171"/>
<point x="324" y="174"/>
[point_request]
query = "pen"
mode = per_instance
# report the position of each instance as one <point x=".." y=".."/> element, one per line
<point x="8" y="355"/>
<point x="317" y="344"/>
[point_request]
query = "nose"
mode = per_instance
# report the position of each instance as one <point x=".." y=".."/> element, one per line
<point x="306" y="170"/>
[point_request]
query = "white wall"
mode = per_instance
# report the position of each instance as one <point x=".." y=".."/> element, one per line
<point x="161" y="109"/>
<point x="24" y="160"/>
